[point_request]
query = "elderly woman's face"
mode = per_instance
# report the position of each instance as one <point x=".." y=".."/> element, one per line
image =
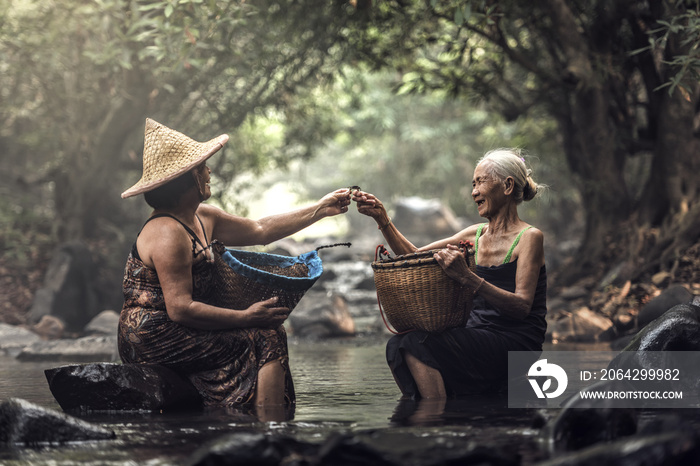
<point x="485" y="190"/>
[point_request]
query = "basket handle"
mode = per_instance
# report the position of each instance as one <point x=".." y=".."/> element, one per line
<point x="386" y="324"/>
<point x="379" y="251"/>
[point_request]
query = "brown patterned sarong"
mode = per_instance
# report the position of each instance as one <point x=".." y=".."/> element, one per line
<point x="223" y="364"/>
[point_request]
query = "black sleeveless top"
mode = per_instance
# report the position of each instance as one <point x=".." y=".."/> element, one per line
<point x="531" y="330"/>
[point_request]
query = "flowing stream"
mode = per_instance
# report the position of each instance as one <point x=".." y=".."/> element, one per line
<point x="342" y="386"/>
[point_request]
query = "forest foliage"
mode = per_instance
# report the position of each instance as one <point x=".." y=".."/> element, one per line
<point x="402" y="95"/>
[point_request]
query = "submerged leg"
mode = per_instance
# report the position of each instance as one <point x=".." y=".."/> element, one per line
<point x="269" y="394"/>
<point x="429" y="380"/>
<point x="270" y="386"/>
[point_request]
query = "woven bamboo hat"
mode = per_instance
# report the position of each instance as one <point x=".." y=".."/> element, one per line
<point x="168" y="154"/>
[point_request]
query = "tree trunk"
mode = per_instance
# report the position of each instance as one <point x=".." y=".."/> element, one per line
<point x="85" y="188"/>
<point x="592" y="154"/>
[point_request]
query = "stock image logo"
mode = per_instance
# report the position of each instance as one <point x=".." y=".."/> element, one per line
<point x="541" y="369"/>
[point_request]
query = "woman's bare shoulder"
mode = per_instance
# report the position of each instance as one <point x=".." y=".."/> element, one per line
<point x="534" y="234"/>
<point x="162" y="235"/>
<point x="469" y="233"/>
<point x="471" y="229"/>
<point x="210" y="211"/>
<point x="532" y="245"/>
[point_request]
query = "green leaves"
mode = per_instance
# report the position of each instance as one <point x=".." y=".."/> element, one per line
<point x="680" y="34"/>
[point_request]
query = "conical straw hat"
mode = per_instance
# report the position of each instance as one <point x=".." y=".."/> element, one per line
<point x="168" y="154"/>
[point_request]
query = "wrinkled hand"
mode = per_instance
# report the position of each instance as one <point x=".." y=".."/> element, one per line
<point x="335" y="203"/>
<point x="266" y="314"/>
<point x="368" y="204"/>
<point x="454" y="263"/>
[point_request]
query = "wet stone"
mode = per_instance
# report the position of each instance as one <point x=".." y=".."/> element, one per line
<point x="342" y="450"/>
<point x="254" y="448"/>
<point x="121" y="387"/>
<point x="678" y="329"/>
<point x="13" y="339"/>
<point x="675" y="448"/>
<point x="582" y="423"/>
<point x="86" y="349"/>
<point x="24" y="423"/>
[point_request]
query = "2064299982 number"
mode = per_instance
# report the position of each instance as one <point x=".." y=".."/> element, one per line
<point x="640" y="374"/>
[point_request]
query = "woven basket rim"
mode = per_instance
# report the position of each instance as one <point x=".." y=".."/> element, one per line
<point x="239" y="261"/>
<point x="409" y="260"/>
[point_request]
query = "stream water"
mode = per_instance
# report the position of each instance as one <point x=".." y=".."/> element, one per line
<point x="342" y="386"/>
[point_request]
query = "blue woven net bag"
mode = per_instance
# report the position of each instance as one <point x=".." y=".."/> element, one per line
<point x="246" y="277"/>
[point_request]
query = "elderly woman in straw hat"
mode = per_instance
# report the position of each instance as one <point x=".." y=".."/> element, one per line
<point x="233" y="356"/>
<point x="510" y="285"/>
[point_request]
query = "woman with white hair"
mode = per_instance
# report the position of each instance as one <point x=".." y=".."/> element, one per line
<point x="509" y="284"/>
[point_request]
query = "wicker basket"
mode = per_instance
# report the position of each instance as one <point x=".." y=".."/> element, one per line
<point x="245" y="277"/>
<point x="416" y="294"/>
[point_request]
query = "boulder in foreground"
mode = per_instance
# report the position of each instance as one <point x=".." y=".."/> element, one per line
<point x="121" y="387"/>
<point x="24" y="423"/>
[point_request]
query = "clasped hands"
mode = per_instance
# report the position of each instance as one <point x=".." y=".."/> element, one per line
<point x="451" y="258"/>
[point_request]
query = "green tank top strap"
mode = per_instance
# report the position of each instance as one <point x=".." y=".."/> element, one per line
<point x="515" y="243"/>
<point x="476" y="242"/>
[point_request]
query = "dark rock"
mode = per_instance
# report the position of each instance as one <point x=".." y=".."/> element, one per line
<point x="678" y="329"/>
<point x="542" y="417"/>
<point x="250" y="448"/>
<point x="671" y="342"/>
<point x="582" y="422"/>
<point x="480" y="455"/>
<point x="348" y="450"/>
<point x="671" y="296"/>
<point x="664" y="422"/>
<point x="22" y="422"/>
<point x="677" y="448"/>
<point x="121" y="387"/>
<point x="69" y="289"/>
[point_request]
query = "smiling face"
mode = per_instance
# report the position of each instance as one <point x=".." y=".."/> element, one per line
<point x="487" y="191"/>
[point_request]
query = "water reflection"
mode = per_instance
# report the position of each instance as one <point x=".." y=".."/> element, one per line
<point x="437" y="412"/>
<point x="342" y="386"/>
